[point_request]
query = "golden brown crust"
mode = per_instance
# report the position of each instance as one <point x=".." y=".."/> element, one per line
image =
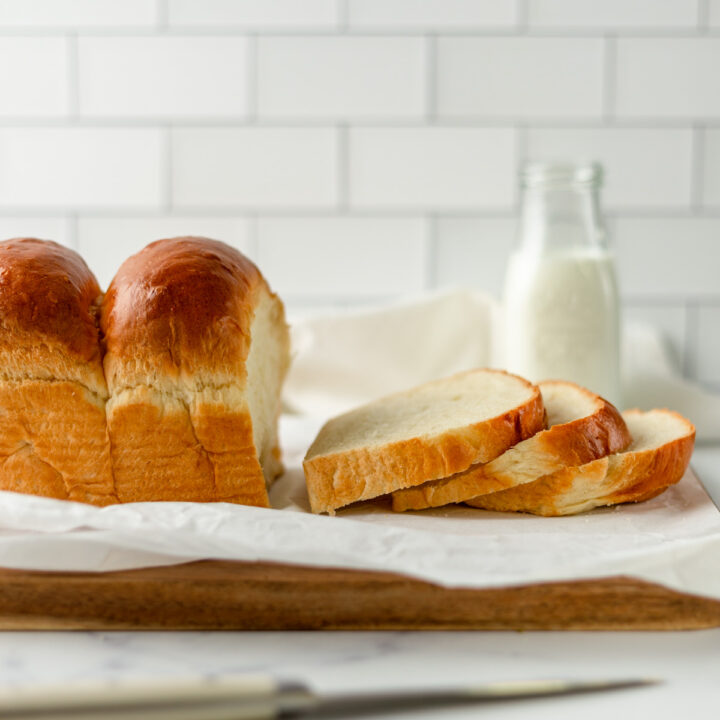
<point x="588" y="438"/>
<point x="48" y="314"/>
<point x="54" y="439"/>
<point x="340" y="479"/>
<point x="54" y="442"/>
<point x="633" y="476"/>
<point x="569" y="444"/>
<point x="165" y="449"/>
<point x="177" y="322"/>
<point x="638" y="476"/>
<point x="181" y="307"/>
<point x="47" y="290"/>
<point x="177" y="325"/>
<point x="541" y="496"/>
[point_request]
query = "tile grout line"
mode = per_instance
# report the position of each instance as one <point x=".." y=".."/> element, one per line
<point x="697" y="168"/>
<point x="166" y="166"/>
<point x="521" y="145"/>
<point x="449" y="122"/>
<point x="71" y="225"/>
<point x="252" y="78"/>
<point x="343" y="16"/>
<point x="610" y="224"/>
<point x="432" y="251"/>
<point x="690" y="351"/>
<point x="522" y="24"/>
<point x="430" y="47"/>
<point x="521" y="159"/>
<point x="253" y="237"/>
<point x="651" y="300"/>
<point x="703" y="18"/>
<point x="229" y="210"/>
<point x="609" y="89"/>
<point x="161" y="15"/>
<point x="343" y="168"/>
<point x="509" y="31"/>
<point x="73" y="77"/>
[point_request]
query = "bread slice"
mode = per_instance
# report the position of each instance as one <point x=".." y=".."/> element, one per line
<point x="657" y="458"/>
<point x="429" y="432"/>
<point x="583" y="427"/>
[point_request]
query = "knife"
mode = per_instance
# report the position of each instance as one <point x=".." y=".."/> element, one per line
<point x="258" y="697"/>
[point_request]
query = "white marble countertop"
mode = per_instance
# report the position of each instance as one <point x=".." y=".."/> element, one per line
<point x="687" y="662"/>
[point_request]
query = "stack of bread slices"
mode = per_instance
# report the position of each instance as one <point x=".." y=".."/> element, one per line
<point x="497" y="442"/>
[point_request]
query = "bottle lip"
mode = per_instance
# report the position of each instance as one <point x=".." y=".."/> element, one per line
<point x="562" y="174"/>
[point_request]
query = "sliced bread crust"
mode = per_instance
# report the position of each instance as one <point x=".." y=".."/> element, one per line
<point x="351" y="460"/>
<point x="656" y="459"/>
<point x="583" y="428"/>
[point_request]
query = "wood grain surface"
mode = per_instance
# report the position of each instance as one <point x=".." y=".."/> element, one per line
<point x="219" y="595"/>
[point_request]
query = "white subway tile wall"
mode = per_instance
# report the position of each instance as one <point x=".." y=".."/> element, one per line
<point x="253" y="14"/>
<point x="253" y="167"/>
<point x="76" y="14"/>
<point x="340" y="78"/>
<point x="519" y="77"/>
<point x="711" y="168"/>
<point x="33" y="77"/>
<point x="354" y="257"/>
<point x="708" y="343"/>
<point x="614" y="14"/>
<point x="432" y="15"/>
<point x="166" y="77"/>
<point x="473" y="252"/>
<point x="431" y="168"/>
<point x="668" y="257"/>
<point x="80" y="167"/>
<point x="360" y="150"/>
<point x="668" y="78"/>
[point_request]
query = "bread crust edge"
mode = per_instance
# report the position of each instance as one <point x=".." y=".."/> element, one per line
<point x="570" y="444"/>
<point x="340" y="479"/>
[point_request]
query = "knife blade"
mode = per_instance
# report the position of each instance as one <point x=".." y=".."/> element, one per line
<point x="260" y="697"/>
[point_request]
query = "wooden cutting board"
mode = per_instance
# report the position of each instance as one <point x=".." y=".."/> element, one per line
<point x="215" y="595"/>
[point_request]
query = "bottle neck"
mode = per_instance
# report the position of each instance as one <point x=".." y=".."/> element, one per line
<point x="561" y="217"/>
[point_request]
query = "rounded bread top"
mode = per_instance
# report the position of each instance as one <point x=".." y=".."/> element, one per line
<point x="48" y="300"/>
<point x="181" y="308"/>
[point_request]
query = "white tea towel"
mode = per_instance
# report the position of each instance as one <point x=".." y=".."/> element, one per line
<point x="346" y="358"/>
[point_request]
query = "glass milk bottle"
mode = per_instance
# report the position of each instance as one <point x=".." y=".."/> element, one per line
<point x="561" y="298"/>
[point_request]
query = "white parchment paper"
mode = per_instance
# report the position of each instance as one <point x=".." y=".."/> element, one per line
<point x="673" y="539"/>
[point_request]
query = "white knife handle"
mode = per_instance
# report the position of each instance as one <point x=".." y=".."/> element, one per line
<point x="246" y="697"/>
